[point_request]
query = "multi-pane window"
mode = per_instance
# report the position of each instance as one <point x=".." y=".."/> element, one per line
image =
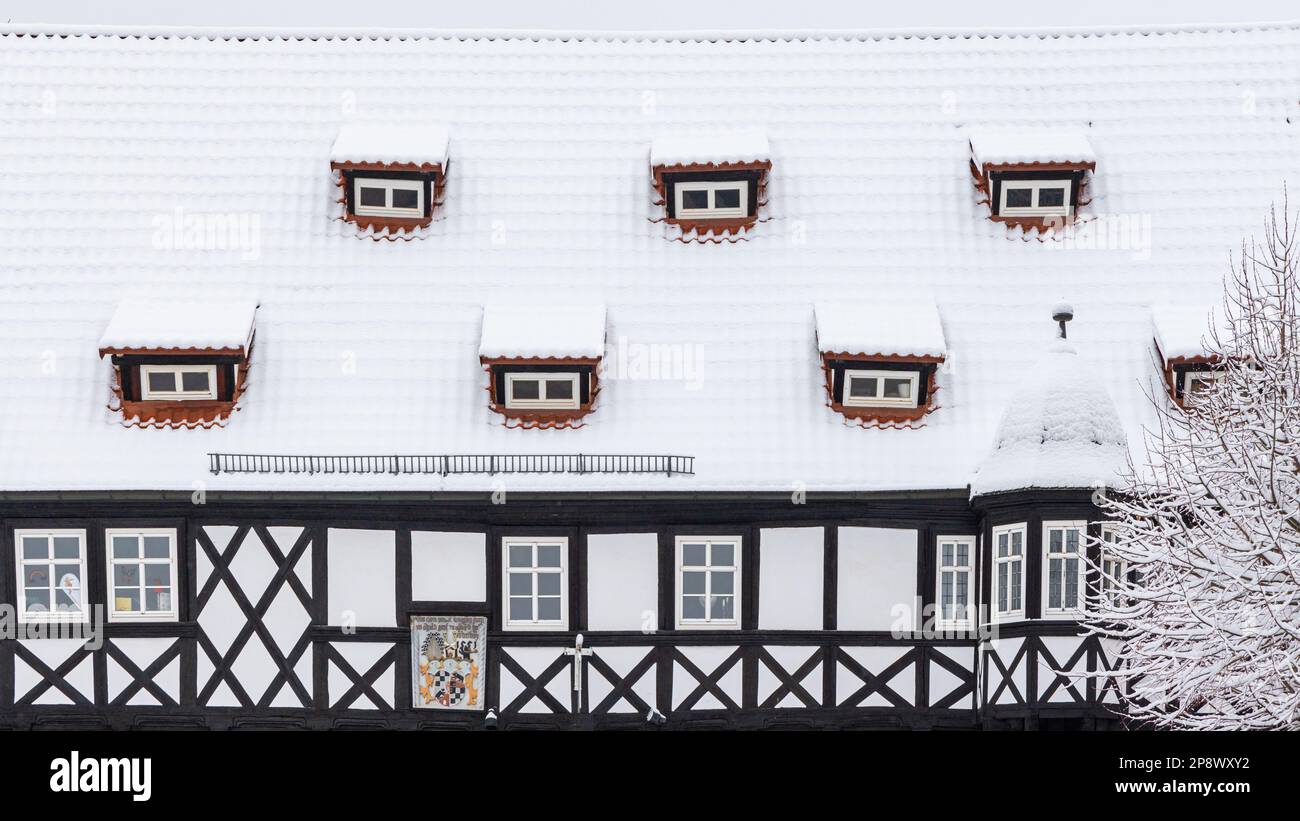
<point x="535" y="583"/>
<point x="1063" y="565"/>
<point x="556" y="391"/>
<point x="712" y="199"/>
<point x="955" y="576"/>
<point x="378" y="197"/>
<point x="1008" y="569"/>
<point x="142" y="575"/>
<point x="708" y="579"/>
<point x="1198" y="383"/>
<point x="880" y="388"/>
<point x="170" y="382"/>
<point x="1035" y="198"/>
<point x="51" y="574"/>
<point x="1114" y="571"/>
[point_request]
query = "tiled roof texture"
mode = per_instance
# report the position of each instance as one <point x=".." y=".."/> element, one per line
<point x="123" y="156"/>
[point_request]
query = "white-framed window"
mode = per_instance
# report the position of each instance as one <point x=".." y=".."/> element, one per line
<point x="1196" y="383"/>
<point x="535" y="583"/>
<point x="1114" y="571"/>
<point x="383" y="197"/>
<point x="1009" y="570"/>
<point x="711" y="199"/>
<point x="1035" y="198"/>
<point x="881" y="388"/>
<point x="142" y="574"/>
<point x="178" y="381"/>
<point x="540" y="390"/>
<point x="51" y="573"/>
<point x="955" y="582"/>
<point x="1063" y="567"/>
<point x="708" y="582"/>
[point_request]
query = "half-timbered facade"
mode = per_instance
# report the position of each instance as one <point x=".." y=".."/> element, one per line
<point x="706" y="392"/>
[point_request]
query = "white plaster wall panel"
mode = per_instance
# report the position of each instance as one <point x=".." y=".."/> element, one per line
<point x="253" y="567"/>
<point x="52" y="653"/>
<point x="221" y="619"/>
<point x="142" y="653"/>
<point x="448" y="566"/>
<point x="1062" y="649"/>
<point x="944" y="681"/>
<point x="790" y="660"/>
<point x="622" y="581"/>
<point x="361" y="656"/>
<point x="534" y="661"/>
<point x="708" y="660"/>
<point x="876" y="574"/>
<point x="362" y="577"/>
<point x="254" y="668"/>
<point x="222" y="696"/>
<point x="876" y="660"/>
<point x="622" y="660"/>
<point x="287" y="619"/>
<point x="792" y="561"/>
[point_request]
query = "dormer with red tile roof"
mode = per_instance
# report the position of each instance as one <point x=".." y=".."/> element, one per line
<point x="179" y="364"/>
<point x="1184" y="348"/>
<point x="391" y="176"/>
<point x="1032" y="177"/>
<point x="711" y="184"/>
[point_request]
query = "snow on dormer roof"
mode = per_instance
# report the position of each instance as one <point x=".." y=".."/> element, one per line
<point x="415" y="144"/>
<point x="542" y="332"/>
<point x="879" y="328"/>
<point x="1183" y="331"/>
<point x="1023" y="146"/>
<point x="146" y="324"/>
<point x="691" y="148"/>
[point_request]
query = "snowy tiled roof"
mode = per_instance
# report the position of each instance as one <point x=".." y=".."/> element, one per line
<point x="1029" y="144"/>
<point x="543" y="332"/>
<point x="906" y="329"/>
<point x="690" y="147"/>
<point x="1183" y="331"/>
<point x="364" y="345"/>
<point x="391" y="143"/>
<point x="154" y="324"/>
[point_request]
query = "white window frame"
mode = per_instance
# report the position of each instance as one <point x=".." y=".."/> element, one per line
<point x="49" y="616"/>
<point x="1113" y="571"/>
<point x="110" y="563"/>
<point x="1062" y="210"/>
<point x="563" y="572"/>
<point x="1066" y="610"/>
<point x="389" y="185"/>
<point x="712" y="186"/>
<point x="1011" y="562"/>
<point x="913" y="377"/>
<point x="709" y="623"/>
<point x="1207" y="375"/>
<point x="967" y="570"/>
<point x="543" y="403"/>
<point x="179" y="394"/>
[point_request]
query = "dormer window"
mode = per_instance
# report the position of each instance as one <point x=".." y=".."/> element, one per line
<point x="391" y="176"/>
<point x="1031" y="177"/>
<point x="711" y="184"/>
<point x="179" y="364"/>
<point x="542" y="363"/>
<point x="1182" y="336"/>
<point x="880" y="361"/>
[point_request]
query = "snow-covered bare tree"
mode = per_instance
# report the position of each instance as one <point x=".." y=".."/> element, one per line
<point x="1206" y="621"/>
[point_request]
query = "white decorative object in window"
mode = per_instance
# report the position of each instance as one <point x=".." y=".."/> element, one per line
<point x="545" y="391"/>
<point x="383" y="197"/>
<point x="708" y="582"/>
<point x="141" y="574"/>
<point x="1196" y="383"/>
<point x="1035" y="198"/>
<point x="171" y="382"/>
<point x="1008" y="570"/>
<point x="711" y="199"/>
<point x="1114" y="571"/>
<point x="534" y="587"/>
<point x="881" y="388"/>
<point x="1063" y="545"/>
<point x="956" y="582"/>
<point x="51" y="575"/>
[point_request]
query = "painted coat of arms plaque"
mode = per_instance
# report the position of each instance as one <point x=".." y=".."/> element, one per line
<point x="449" y="661"/>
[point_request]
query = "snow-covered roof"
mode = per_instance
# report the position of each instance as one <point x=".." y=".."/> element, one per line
<point x="1029" y="144"/>
<point x="142" y="323"/>
<point x="391" y="143"/>
<point x="870" y="328"/>
<point x="1182" y="331"/>
<point x="360" y="344"/>
<point x="543" y="332"/>
<point x="717" y="147"/>
<point x="1060" y="430"/>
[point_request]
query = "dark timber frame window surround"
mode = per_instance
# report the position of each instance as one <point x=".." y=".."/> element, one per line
<point x="390" y="196"/>
<point x="712" y="198"/>
<point x="522" y="390"/>
<point x="890" y="389"/>
<point x="1035" y="194"/>
<point x="411" y="194"/>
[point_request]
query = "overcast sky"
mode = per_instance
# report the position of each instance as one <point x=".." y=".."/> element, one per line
<point x="653" y="15"/>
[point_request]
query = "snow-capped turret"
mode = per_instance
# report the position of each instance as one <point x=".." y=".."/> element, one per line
<point x="1061" y="429"/>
